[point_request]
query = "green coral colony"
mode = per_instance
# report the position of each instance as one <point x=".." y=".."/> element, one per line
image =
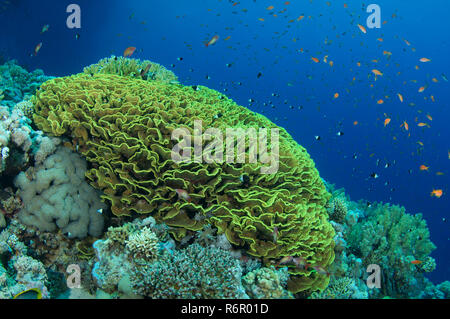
<point x="233" y="232"/>
<point x="122" y="126"/>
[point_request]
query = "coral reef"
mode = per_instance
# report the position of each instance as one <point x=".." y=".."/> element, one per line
<point x="267" y="283"/>
<point x="342" y="288"/>
<point x="16" y="84"/>
<point x="20" y="143"/>
<point x="191" y="273"/>
<point x="392" y="239"/>
<point x="135" y="68"/>
<point x="56" y="196"/>
<point x="18" y="271"/>
<point x="122" y="126"/>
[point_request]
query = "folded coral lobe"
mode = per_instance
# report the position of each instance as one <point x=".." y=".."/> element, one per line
<point x="123" y="126"/>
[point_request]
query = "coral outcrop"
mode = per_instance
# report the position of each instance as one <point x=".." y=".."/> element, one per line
<point x="56" y="196"/>
<point x="122" y="126"/>
<point x="17" y="85"/>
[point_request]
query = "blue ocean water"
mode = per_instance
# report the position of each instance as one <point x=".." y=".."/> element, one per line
<point x="291" y="89"/>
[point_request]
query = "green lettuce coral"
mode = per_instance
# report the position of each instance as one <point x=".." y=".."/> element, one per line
<point x="132" y="68"/>
<point x="123" y="125"/>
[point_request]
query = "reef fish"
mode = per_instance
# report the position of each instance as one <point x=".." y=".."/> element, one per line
<point x="213" y="40"/>
<point x="33" y="293"/>
<point x="129" y="51"/>
<point x="183" y="194"/>
<point x="437" y="193"/>
<point x="37" y="48"/>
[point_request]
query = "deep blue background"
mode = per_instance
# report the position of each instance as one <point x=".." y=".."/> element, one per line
<point x="166" y="30"/>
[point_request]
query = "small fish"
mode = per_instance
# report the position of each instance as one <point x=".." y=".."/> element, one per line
<point x="400" y="97"/>
<point x="444" y="77"/>
<point x="363" y="30"/>
<point x="376" y="72"/>
<point x="45" y="28"/>
<point x="213" y="40"/>
<point x="300" y="262"/>
<point x="387" y="121"/>
<point x="33" y="293"/>
<point x="336" y="95"/>
<point x="315" y="59"/>
<point x="285" y="260"/>
<point x="100" y="211"/>
<point x="405" y="124"/>
<point x="424" y="60"/>
<point x="270" y="7"/>
<point x="77" y="36"/>
<point x="275" y="234"/>
<point x="437" y="193"/>
<point x="129" y="51"/>
<point x="183" y="194"/>
<point x="416" y="262"/>
<point x="317" y="137"/>
<point x="37" y="48"/>
<point x="380" y="101"/>
<point x="421" y="124"/>
<point x="320" y="270"/>
<point x="424" y="168"/>
<point x="374" y="175"/>
<point x="259" y="75"/>
<point x="145" y="71"/>
<point x="421" y="89"/>
<point x="340" y="133"/>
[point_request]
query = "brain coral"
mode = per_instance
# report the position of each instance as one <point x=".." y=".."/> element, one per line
<point x="123" y="127"/>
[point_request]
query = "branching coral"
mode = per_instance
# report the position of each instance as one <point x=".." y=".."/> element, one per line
<point x="191" y="273"/>
<point x="123" y="125"/>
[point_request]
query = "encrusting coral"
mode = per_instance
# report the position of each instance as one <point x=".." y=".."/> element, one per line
<point x="122" y="126"/>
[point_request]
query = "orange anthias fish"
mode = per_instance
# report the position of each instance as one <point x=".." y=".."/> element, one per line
<point x="336" y="95"/>
<point x="129" y="51"/>
<point x="437" y="193"/>
<point x="424" y="60"/>
<point x="315" y="59"/>
<point x="424" y="168"/>
<point x="405" y="124"/>
<point x="183" y="194"/>
<point x="416" y="262"/>
<point x="376" y="72"/>
<point x="37" y="48"/>
<point x="421" y="89"/>
<point x="421" y="124"/>
<point x="270" y="7"/>
<point x="387" y="121"/>
<point x="380" y="101"/>
<point x="363" y="30"/>
<point x="213" y="40"/>
<point x="400" y="97"/>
